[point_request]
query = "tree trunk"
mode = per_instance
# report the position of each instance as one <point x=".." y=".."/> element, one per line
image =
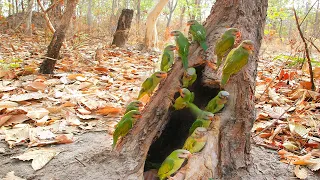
<point x="183" y="9"/>
<point x="172" y="7"/>
<point x="138" y="17"/>
<point x="113" y="16"/>
<point x="121" y="35"/>
<point x="316" y="22"/>
<point x="47" y="66"/>
<point x="89" y="15"/>
<point x="1" y="6"/>
<point x="29" y="18"/>
<point x="162" y="130"/>
<point x="151" y="36"/>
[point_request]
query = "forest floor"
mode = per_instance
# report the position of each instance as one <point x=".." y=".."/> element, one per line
<point x="67" y="118"/>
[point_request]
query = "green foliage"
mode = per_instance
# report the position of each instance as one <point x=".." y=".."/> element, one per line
<point x="295" y="60"/>
<point x="12" y="64"/>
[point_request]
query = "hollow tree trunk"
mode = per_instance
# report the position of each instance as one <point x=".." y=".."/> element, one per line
<point x="121" y="35"/>
<point x="226" y="154"/>
<point x="47" y="66"/>
<point x="151" y="35"/>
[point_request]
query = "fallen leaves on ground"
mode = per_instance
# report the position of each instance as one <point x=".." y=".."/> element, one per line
<point x="288" y="117"/>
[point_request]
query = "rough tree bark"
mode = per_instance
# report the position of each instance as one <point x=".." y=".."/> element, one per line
<point x="226" y="154"/>
<point x="47" y="66"/>
<point x="151" y="35"/>
<point x="121" y="35"/>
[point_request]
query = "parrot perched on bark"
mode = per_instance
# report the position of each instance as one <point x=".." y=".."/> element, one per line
<point x="173" y="163"/>
<point x="236" y="60"/>
<point x="198" y="33"/>
<point x="124" y="125"/>
<point x="225" y="43"/>
<point x="195" y="110"/>
<point x="203" y="120"/>
<point x="134" y="105"/>
<point x="167" y="58"/>
<point x="189" y="77"/>
<point x="217" y="103"/>
<point x="185" y="97"/>
<point x="197" y="140"/>
<point x="151" y="83"/>
<point x="182" y="45"/>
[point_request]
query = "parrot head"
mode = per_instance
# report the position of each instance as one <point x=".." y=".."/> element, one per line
<point x="191" y="22"/>
<point x="248" y="45"/>
<point x="234" y="31"/>
<point x="175" y="33"/>
<point x="171" y="48"/>
<point x="160" y="74"/>
<point x="137" y="103"/>
<point x="191" y="71"/>
<point x="182" y="153"/>
<point x="184" y="92"/>
<point x="224" y="95"/>
<point x="200" y="131"/>
<point x="207" y="115"/>
<point x="134" y="114"/>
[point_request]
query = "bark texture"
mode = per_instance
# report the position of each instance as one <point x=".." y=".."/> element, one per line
<point x="47" y="66"/>
<point x="121" y="35"/>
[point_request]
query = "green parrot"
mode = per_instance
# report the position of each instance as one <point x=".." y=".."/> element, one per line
<point x="189" y="77"/>
<point x="203" y="120"/>
<point x="134" y="105"/>
<point x="185" y="97"/>
<point x="151" y="83"/>
<point x="124" y="125"/>
<point x="197" y="140"/>
<point x="195" y="110"/>
<point x="217" y="103"/>
<point x="173" y="163"/>
<point x="236" y="60"/>
<point x="198" y="33"/>
<point x="225" y="43"/>
<point x="182" y="45"/>
<point x="167" y="58"/>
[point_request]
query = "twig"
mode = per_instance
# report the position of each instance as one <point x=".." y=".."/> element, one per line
<point x="276" y="120"/>
<point x="80" y="162"/>
<point x="313" y="45"/>
<point x="52" y="6"/>
<point x="306" y="50"/>
<point x="308" y="13"/>
<point x="46" y="17"/>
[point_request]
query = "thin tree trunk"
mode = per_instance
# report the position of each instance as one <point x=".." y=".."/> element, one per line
<point x="10" y="12"/>
<point x="172" y="7"/>
<point x="316" y="22"/>
<point x="29" y="18"/>
<point x="46" y="17"/>
<point x="47" y="66"/>
<point x="138" y="16"/>
<point x="1" y="5"/>
<point x="17" y="6"/>
<point x="151" y="36"/>
<point x="113" y="16"/>
<point x="89" y="14"/>
<point x="22" y="5"/>
<point x="183" y="9"/>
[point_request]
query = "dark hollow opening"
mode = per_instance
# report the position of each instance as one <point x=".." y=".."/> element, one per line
<point x="177" y="129"/>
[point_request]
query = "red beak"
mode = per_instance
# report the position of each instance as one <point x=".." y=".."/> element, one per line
<point x="238" y="34"/>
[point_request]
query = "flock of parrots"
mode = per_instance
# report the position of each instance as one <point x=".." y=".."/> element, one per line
<point x="235" y="60"/>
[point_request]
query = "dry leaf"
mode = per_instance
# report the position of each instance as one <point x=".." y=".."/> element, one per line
<point x="39" y="157"/>
<point x="38" y="113"/>
<point x="36" y="86"/>
<point x="315" y="166"/>
<point x="11" y="176"/>
<point x="64" y="138"/>
<point x="8" y="104"/>
<point x="290" y="146"/>
<point x="27" y="96"/>
<point x="109" y="110"/>
<point x="18" y="134"/>
<point x="299" y="129"/>
<point x="301" y="172"/>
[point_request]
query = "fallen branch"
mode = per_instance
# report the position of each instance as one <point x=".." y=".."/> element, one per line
<point x="309" y="40"/>
<point x="306" y="50"/>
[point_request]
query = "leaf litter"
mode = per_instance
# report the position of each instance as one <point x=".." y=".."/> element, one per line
<point x="288" y="115"/>
<point x="85" y="93"/>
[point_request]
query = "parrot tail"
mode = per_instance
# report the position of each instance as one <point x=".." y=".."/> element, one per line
<point x="115" y="139"/>
<point x="224" y="79"/>
<point x="141" y="94"/>
<point x="219" y="59"/>
<point x="204" y="45"/>
<point x="185" y="62"/>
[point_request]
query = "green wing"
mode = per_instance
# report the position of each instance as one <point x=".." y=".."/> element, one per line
<point x="121" y="130"/>
<point x="165" y="63"/>
<point x="197" y="123"/>
<point x="146" y="87"/>
<point x="165" y="168"/>
<point x="189" y="144"/>
<point x="236" y="59"/>
<point x="179" y="103"/>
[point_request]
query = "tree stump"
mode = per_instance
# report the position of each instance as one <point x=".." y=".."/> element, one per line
<point x="121" y="35"/>
<point x="47" y="66"/>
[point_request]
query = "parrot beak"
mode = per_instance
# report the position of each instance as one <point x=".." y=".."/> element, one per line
<point x="138" y="116"/>
<point x="238" y="35"/>
<point x="163" y="75"/>
<point x="211" y="118"/>
<point x="140" y="105"/>
<point x="181" y="93"/>
<point x="172" y="33"/>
